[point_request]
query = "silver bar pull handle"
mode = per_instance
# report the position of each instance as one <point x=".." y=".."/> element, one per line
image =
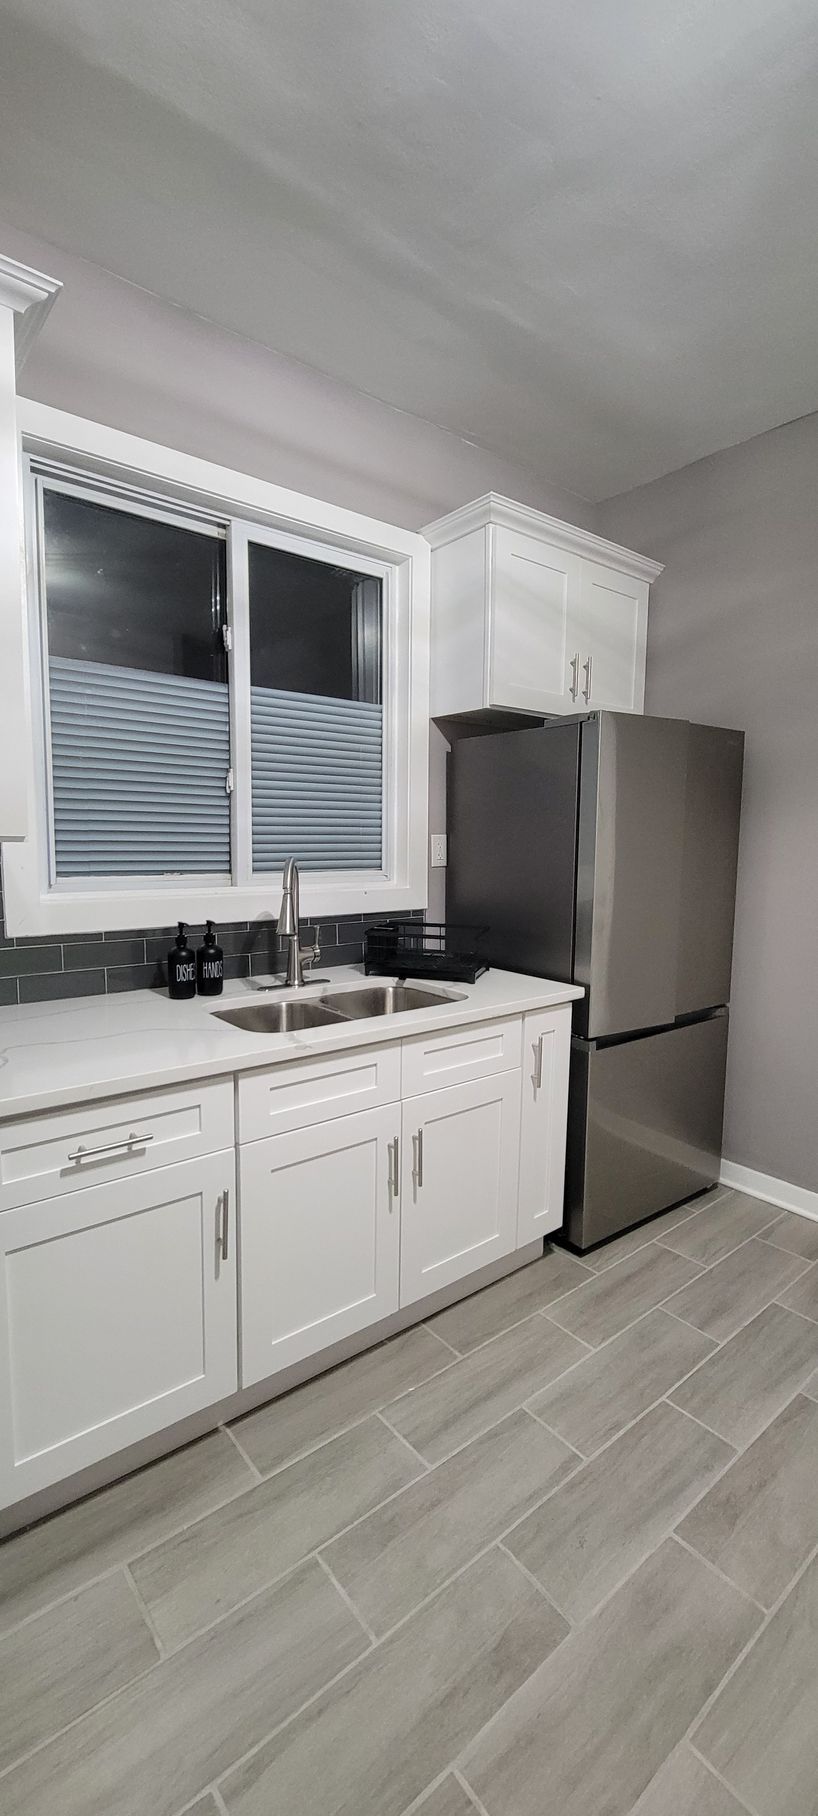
<point x="418" y="1140"/>
<point x="394" y="1167"/>
<point x="574" y="666"/>
<point x="111" y="1147"/>
<point x="222" y="1225"/>
<point x="538" y="1070"/>
<point x="587" y="669"/>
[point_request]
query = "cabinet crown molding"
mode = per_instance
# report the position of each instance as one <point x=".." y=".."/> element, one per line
<point x="492" y="508"/>
<point x="30" y="294"/>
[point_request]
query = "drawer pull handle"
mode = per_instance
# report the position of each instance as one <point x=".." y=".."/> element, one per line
<point x="418" y="1141"/>
<point x="539" y="1069"/>
<point x="222" y="1238"/>
<point x="574" y="686"/>
<point x="394" y="1167"/>
<point x="111" y="1147"/>
<point x="587" y="668"/>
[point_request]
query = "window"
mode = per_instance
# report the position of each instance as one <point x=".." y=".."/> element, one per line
<point x="214" y="692"/>
<point x="315" y="714"/>
<point x="137" y="701"/>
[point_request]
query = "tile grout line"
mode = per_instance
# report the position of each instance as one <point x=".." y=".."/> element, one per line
<point x="579" y="1454"/>
<point x="700" y="1556"/>
<point x="650" y="1236"/>
<point x="144" y="1611"/>
<point x="415" y="1454"/>
<point x="345" y="1597"/>
<point x="769" y="1616"/>
<point x="715" y="1773"/>
<point x="535" y="1584"/>
<point x="457" y="1353"/>
<point x="472" y="1795"/>
<point x="255" y="1472"/>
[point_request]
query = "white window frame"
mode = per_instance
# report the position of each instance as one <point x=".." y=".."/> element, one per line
<point x="256" y="509"/>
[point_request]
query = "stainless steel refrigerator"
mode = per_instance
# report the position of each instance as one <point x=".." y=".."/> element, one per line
<point x="603" y="851"/>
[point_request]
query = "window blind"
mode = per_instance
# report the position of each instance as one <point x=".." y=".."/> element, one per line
<point x="317" y="781"/>
<point x="139" y="767"/>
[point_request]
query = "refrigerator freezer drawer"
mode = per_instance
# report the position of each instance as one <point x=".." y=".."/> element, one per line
<point x="645" y="1126"/>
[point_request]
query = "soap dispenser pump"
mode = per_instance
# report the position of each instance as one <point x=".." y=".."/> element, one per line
<point x="181" y="967"/>
<point x="210" y="964"/>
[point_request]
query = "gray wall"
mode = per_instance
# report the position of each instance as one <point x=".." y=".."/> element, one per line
<point x="119" y="355"/>
<point x="733" y="640"/>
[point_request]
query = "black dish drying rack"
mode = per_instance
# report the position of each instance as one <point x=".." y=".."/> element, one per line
<point x="425" y="949"/>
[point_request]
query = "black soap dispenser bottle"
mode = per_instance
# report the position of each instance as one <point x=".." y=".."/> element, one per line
<point x="181" y="967"/>
<point x="210" y="964"/>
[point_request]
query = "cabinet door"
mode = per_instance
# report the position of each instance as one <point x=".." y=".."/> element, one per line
<point x="458" y="1182"/>
<point x="612" y="632"/>
<point x="320" y="1238"/>
<point x="117" y="1317"/>
<point x="533" y="647"/>
<point x="546" y="1061"/>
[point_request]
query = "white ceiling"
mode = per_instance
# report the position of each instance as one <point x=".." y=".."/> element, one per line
<point x="582" y="234"/>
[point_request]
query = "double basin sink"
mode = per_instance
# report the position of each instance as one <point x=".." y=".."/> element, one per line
<point x="337" y="1007"/>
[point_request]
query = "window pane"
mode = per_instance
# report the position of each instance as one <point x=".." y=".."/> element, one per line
<point x="140" y="741"/>
<point x="317" y="733"/>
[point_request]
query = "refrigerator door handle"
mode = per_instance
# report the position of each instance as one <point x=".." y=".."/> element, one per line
<point x="574" y="667"/>
<point x="588" y="670"/>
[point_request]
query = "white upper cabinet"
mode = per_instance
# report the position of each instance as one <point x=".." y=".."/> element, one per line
<point x="25" y="297"/>
<point x="530" y="615"/>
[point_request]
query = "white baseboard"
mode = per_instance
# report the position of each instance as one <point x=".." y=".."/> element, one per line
<point x="777" y="1191"/>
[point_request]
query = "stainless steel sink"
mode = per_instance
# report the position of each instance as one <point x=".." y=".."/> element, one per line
<point x="386" y="999"/>
<point x="279" y="1018"/>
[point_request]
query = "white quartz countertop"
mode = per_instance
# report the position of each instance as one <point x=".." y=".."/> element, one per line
<point x="53" y="1054"/>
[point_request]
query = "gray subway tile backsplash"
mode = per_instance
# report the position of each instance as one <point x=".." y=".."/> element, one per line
<point x="42" y="968"/>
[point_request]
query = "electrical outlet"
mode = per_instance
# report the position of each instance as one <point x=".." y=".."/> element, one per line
<point x="438" y="857"/>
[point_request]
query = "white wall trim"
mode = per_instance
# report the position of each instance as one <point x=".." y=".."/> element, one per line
<point x="795" y="1198"/>
<point x="493" y="508"/>
<point x="30" y="294"/>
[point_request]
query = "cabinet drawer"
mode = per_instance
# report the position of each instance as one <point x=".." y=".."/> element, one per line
<point x="305" y="1091"/>
<point x="43" y="1156"/>
<point x="433" y="1061"/>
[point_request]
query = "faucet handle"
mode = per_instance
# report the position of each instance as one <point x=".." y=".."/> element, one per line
<point x="311" y="955"/>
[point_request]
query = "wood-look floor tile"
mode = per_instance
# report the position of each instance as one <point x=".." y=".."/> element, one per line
<point x="600" y="1309"/>
<point x="656" y="1227"/>
<point x="400" y="1554"/>
<point x="448" y="1799"/>
<point x="803" y="1297"/>
<point x="370" y="1744"/>
<point x="759" y="1523"/>
<point x="156" y="1745"/>
<point x="595" y="1722"/>
<point x="730" y="1293"/>
<point x="742" y="1387"/>
<point x="58" y="1665"/>
<point x="114" y="1525"/>
<point x="196" y="1577"/>
<point x="685" y="1787"/>
<point x="485" y="1314"/>
<point x="798" y="1235"/>
<point x="719" y="1229"/>
<point x="479" y="1390"/>
<point x="321" y="1408"/>
<point x="589" y="1535"/>
<point x="761" y="1732"/>
<point x="616" y="1384"/>
<point x="204" y="1806"/>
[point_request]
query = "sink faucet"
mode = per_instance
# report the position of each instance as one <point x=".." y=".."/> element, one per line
<point x="288" y="929"/>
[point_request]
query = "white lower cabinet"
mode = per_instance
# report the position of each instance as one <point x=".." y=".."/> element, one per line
<point x="117" y="1317"/>
<point x="320" y="1237"/>
<point x="458" y="1182"/>
<point x="546" y="1059"/>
